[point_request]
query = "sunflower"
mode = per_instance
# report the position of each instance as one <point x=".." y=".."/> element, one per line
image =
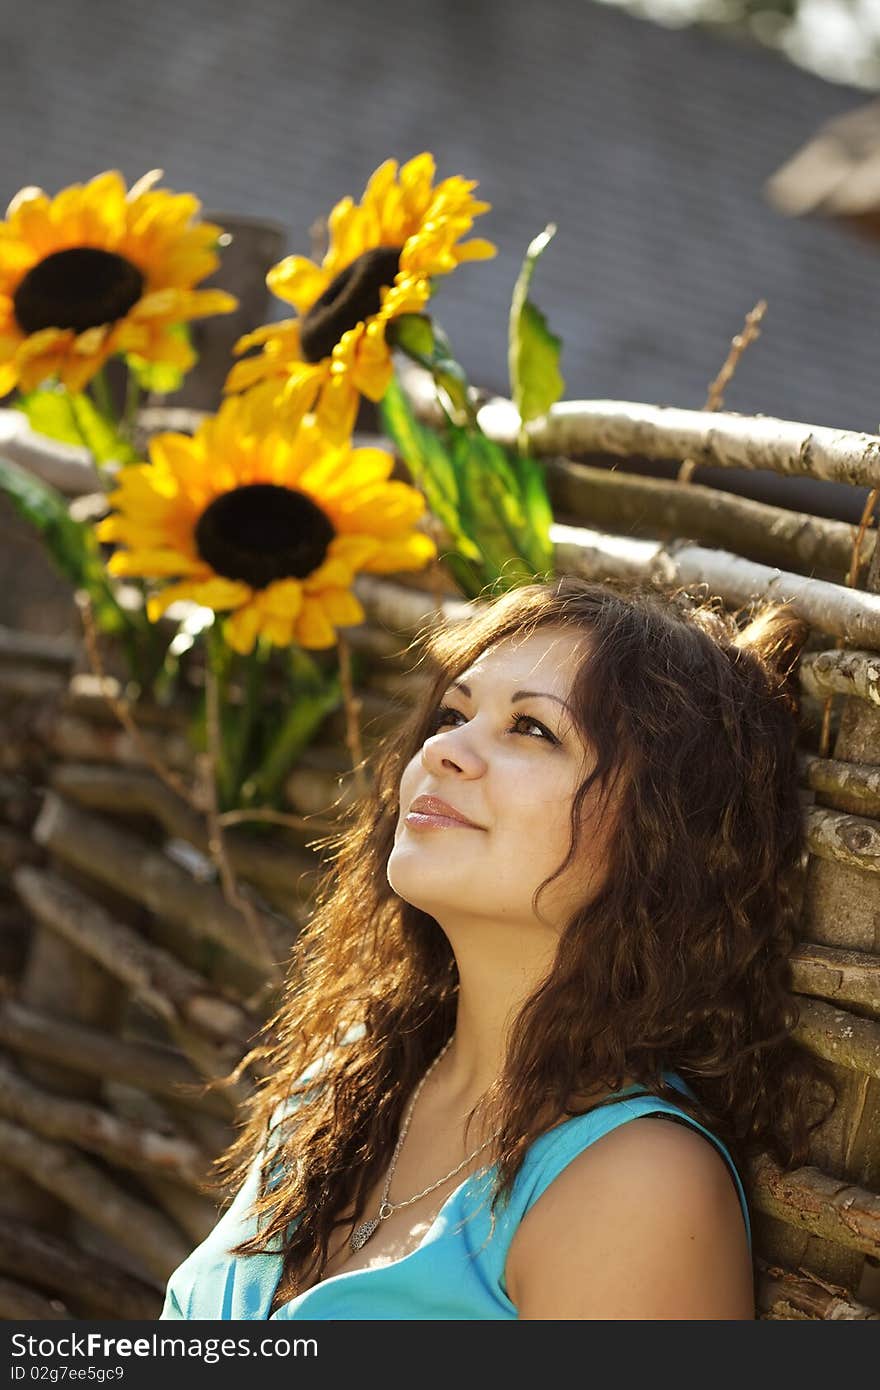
<point x="383" y="253"/>
<point x="97" y="271"/>
<point x="269" y="525"/>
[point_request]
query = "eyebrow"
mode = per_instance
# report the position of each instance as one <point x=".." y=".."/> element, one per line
<point x="517" y="694"/>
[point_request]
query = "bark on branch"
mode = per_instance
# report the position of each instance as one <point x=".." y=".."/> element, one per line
<point x="96" y="1130"/>
<point x="858" y="784"/>
<point x="80" y="1183"/>
<point x="632" y="504"/>
<point x="843" y="838"/>
<point x="813" y="1201"/>
<point x="634" y="429"/>
<point x="62" y="1268"/>
<point x="162" y="984"/>
<point x="121" y="860"/>
<point x="787" y="1294"/>
<point x="833" y="973"/>
<point x="845" y="1038"/>
<point x="280" y="864"/>
<point x="843" y="672"/>
<point x="150" y="1066"/>
<point x="852" y="614"/>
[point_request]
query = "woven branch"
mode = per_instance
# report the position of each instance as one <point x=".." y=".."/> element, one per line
<point x="831" y="972"/>
<point x="858" y="782"/>
<point x="81" y="1184"/>
<point x="844" y="838"/>
<point x="63" y="1268"/>
<point x="150" y="1066"/>
<point x="842" y="672"/>
<point x="21" y="1304"/>
<point x="98" y="1131"/>
<point x="633" y="504"/>
<point x="720" y="439"/>
<point x="158" y="980"/>
<point x="121" y="860"/>
<point x="844" y="1038"/>
<point x="279" y="864"/>
<point x="833" y="1208"/>
<point x="75" y="739"/>
<point x="852" y="614"/>
<point x="793" y="1295"/>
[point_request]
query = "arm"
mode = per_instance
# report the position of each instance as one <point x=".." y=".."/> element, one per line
<point x="644" y="1224"/>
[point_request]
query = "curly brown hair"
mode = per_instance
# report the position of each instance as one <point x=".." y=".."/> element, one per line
<point x="679" y="960"/>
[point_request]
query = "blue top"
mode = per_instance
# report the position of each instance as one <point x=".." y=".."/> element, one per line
<point x="455" y="1273"/>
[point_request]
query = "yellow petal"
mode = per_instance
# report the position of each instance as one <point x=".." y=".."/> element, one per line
<point x="313" y="628"/>
<point x="154" y="564"/>
<point x="242" y="628"/>
<point x="342" y="608"/>
<point x="298" y="281"/>
<point x="408" y="553"/>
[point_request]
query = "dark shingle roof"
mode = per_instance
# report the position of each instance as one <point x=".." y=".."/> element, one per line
<point x="648" y="147"/>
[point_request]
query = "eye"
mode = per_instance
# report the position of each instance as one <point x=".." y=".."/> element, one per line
<point x="443" y="713"/>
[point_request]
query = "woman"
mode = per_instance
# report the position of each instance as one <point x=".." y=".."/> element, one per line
<point x="564" y="912"/>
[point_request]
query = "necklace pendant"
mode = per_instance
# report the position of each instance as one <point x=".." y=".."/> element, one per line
<point x="361" y="1234"/>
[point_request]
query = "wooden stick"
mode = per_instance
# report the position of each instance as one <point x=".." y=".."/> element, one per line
<point x="636" y="430"/>
<point x="844" y="839"/>
<point x="165" y="986"/>
<point x="121" y="860"/>
<point x="63" y="1268"/>
<point x="715" y="397"/>
<point x="846" y="672"/>
<point x="833" y="973"/>
<point x="816" y="1202"/>
<point x="37" y="648"/>
<point x="279" y="863"/>
<point x="832" y="608"/>
<point x="82" y="1185"/>
<point x="95" y="1129"/>
<point x="858" y="784"/>
<point x="632" y="504"/>
<point x="150" y="1066"/>
<point x="788" y="1294"/>
<point x="838" y="1036"/>
<point x="19" y="1303"/>
<point x="256" y="926"/>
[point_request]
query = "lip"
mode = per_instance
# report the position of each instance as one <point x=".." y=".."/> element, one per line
<point x="432" y="810"/>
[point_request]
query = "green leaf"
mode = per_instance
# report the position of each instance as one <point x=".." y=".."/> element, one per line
<point x="423" y="341"/>
<point x="73" y="418"/>
<point x="493" y="509"/>
<point x="430" y="465"/>
<point x="533" y="351"/>
<point x="72" y="545"/>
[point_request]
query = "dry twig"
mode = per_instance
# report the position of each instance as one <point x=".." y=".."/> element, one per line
<point x="715" y="398"/>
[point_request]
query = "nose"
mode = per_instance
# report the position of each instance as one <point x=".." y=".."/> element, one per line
<point x="452" y="750"/>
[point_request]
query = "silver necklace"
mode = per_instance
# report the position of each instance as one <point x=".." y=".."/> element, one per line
<point x="361" y="1234"/>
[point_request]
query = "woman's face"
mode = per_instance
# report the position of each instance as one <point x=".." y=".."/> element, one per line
<point x="511" y="763"/>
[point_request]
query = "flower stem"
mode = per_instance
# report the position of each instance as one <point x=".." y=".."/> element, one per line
<point x="314" y="695"/>
<point x="132" y="405"/>
<point x="217" y="655"/>
<point x="254" y="673"/>
<point x="103" y="398"/>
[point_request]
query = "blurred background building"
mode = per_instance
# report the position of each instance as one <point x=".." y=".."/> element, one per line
<point x="650" y="145"/>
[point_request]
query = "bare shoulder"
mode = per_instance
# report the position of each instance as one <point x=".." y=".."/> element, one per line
<point x="645" y="1223"/>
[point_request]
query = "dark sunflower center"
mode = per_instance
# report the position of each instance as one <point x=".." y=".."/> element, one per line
<point x="79" y="289"/>
<point x="349" y="299"/>
<point x="261" y="532"/>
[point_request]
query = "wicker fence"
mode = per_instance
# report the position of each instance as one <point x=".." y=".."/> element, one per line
<point x="129" y="971"/>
